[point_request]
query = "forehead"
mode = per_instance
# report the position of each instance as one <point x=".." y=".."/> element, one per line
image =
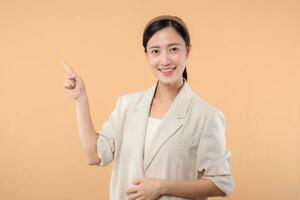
<point x="164" y="37"/>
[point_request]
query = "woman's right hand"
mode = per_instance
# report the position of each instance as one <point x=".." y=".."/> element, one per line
<point x="73" y="84"/>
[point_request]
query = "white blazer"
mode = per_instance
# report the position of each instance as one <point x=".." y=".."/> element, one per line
<point x="190" y="138"/>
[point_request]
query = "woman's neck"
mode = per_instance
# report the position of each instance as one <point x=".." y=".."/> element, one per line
<point x="166" y="92"/>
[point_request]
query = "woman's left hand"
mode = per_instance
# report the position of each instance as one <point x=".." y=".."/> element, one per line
<point x="145" y="189"/>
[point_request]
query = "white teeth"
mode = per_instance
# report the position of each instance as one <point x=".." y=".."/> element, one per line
<point x="167" y="70"/>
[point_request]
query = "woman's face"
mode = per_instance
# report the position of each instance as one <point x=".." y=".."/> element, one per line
<point x="167" y="54"/>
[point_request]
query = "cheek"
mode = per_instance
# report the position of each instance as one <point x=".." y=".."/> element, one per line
<point x="180" y="60"/>
<point x="152" y="61"/>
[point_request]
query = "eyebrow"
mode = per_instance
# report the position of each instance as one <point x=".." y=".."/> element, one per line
<point x="172" y="44"/>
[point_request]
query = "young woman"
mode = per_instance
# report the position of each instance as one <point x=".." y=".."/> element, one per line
<point x="166" y="142"/>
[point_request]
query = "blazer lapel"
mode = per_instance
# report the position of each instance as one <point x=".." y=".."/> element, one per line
<point x="172" y="121"/>
<point x="137" y="118"/>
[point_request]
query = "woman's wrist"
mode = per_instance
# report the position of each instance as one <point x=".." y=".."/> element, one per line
<point x="163" y="185"/>
<point x="81" y="99"/>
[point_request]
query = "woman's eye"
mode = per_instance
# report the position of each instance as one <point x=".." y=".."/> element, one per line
<point x="154" y="51"/>
<point x="174" y="49"/>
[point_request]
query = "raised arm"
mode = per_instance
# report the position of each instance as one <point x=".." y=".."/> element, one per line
<point x="75" y="88"/>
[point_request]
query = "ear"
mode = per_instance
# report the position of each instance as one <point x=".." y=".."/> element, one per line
<point x="146" y="54"/>
<point x="188" y="49"/>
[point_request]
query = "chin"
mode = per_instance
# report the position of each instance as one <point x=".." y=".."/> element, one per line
<point x="168" y="80"/>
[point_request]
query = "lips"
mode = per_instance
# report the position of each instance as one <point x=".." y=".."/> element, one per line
<point x="166" y="69"/>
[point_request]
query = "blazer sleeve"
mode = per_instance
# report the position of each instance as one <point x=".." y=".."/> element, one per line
<point x="212" y="155"/>
<point x="107" y="134"/>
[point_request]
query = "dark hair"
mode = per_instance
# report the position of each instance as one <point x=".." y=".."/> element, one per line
<point x="160" y="24"/>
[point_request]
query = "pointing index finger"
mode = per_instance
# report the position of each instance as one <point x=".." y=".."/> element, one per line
<point x="67" y="67"/>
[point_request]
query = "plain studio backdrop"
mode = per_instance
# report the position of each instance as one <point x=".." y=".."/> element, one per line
<point x="245" y="60"/>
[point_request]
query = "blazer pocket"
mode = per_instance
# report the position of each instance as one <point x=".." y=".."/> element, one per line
<point x="183" y="141"/>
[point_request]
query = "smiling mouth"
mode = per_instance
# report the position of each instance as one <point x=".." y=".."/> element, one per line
<point x="167" y="70"/>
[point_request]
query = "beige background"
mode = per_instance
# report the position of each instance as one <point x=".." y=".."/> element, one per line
<point x="244" y="60"/>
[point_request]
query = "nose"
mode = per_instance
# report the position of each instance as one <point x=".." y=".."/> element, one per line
<point x="165" y="59"/>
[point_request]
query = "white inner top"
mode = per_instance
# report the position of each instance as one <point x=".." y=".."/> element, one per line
<point x="153" y="124"/>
